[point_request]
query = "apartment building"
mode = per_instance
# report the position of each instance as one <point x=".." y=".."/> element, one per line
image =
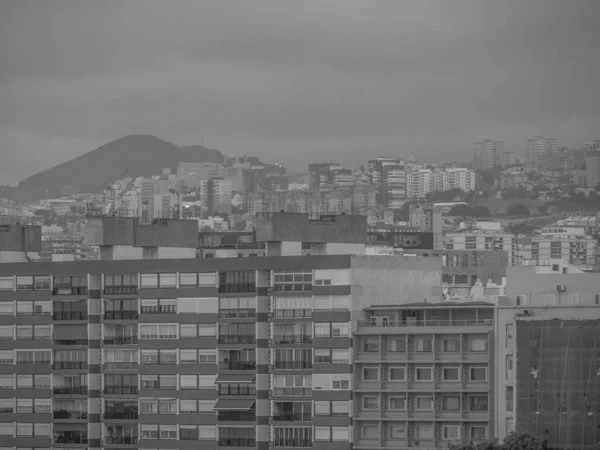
<point x="482" y="236"/>
<point x="571" y="244"/>
<point x="546" y="350"/>
<point x="423" y="375"/>
<point x="538" y="149"/>
<point x="592" y="164"/>
<point x="486" y="154"/>
<point x="454" y="178"/>
<point x="159" y="353"/>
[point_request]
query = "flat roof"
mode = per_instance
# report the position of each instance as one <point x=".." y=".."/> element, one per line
<point x="177" y="265"/>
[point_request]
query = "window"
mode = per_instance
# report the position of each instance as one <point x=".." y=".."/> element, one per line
<point x="370" y="402"/>
<point x="322" y="329"/>
<point x="341" y="329"/>
<point x="234" y="282"/>
<point x="573" y="299"/>
<point x="450" y="345"/>
<point x="7" y="429"/>
<point x="237" y="307"/>
<point x="510" y="330"/>
<point x="158" y="306"/>
<point x="7" y="309"/>
<point x="36" y="308"/>
<point x="398" y="403"/>
<point x="6" y="357"/>
<point x="7" y="283"/>
<point x="510" y="425"/>
<point x="340" y="382"/>
<point x="121" y="359"/>
<point x="24" y="283"/>
<point x="424" y="432"/>
<point x="451" y="432"/>
<point x="158" y="331"/>
<point x="321" y="433"/>
<point x="424" y="374"/>
<point x="423" y="345"/>
<point x="450" y="374"/>
<point x="7" y="405"/>
<point x="7" y="381"/>
<point x="158" y="406"/>
<point x="397" y="432"/>
<point x="340" y="408"/>
<point x="397" y="374"/>
<point x="397" y="345"/>
<point x="424" y="403"/>
<point x="7" y="331"/>
<point x="120" y="283"/>
<point x="478" y="344"/>
<point x="370" y="432"/>
<point x="371" y="345"/>
<point x="509" y="367"/>
<point x="478" y="374"/>
<point x="322" y="408"/>
<point x="370" y="374"/>
<point x="596" y="299"/>
<point x="70" y="285"/>
<point x="451" y="403"/>
<point x="478" y="403"/>
<point x="340" y="356"/>
<point x="192" y="279"/>
<point x="159" y="280"/>
<point x="340" y="434"/>
<point x="478" y="433"/>
<point x="291" y="281"/>
<point x="520" y="300"/>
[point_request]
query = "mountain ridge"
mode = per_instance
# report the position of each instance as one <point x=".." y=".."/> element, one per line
<point x="131" y="156"/>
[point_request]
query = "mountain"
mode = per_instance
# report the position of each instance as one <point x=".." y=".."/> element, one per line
<point x="131" y="156"/>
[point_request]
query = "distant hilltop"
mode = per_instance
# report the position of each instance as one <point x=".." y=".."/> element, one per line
<point x="135" y="155"/>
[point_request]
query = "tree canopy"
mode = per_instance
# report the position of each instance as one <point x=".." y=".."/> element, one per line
<point x="468" y="211"/>
<point x="517" y="209"/>
<point x="514" y="441"/>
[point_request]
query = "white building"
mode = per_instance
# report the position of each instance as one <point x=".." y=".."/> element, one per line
<point x="482" y="236"/>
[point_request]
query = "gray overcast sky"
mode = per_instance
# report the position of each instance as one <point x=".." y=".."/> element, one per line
<point x="293" y="81"/>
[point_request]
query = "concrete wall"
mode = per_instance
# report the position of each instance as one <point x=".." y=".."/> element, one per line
<point x="298" y="227"/>
<point x="394" y="280"/>
<point x="129" y="232"/>
<point x="334" y="248"/>
<point x="17" y="238"/>
<point x="525" y="281"/>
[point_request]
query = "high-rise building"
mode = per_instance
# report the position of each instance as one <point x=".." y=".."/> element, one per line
<point x="573" y="245"/>
<point x="592" y="164"/>
<point x="322" y="173"/>
<point x="447" y="179"/>
<point x="487" y="154"/>
<point x="389" y="175"/>
<point x="419" y="182"/>
<point x="537" y="150"/>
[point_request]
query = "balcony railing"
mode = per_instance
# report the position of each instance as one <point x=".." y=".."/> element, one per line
<point x="240" y="365"/>
<point x="120" y="440"/>
<point x="121" y="390"/>
<point x="70" y="390"/>
<point x="237" y="442"/>
<point x="236" y="313"/>
<point x="80" y="342"/>
<point x="70" y="290"/>
<point x="293" y="417"/>
<point x="426" y="323"/>
<point x="132" y="415"/>
<point x="121" y="315"/>
<point x="240" y="339"/>
<point x="70" y="316"/>
<point x="120" y="290"/>
<point x="292" y="339"/>
<point x="70" y="437"/>
<point x="293" y="365"/>
<point x="159" y="309"/>
<point x="120" y="365"/>
<point x="237" y="416"/>
<point x="293" y="443"/>
<point x="237" y="389"/>
<point x="70" y="365"/>
<point x="293" y="313"/>
<point x="240" y="288"/>
<point x="121" y="340"/>
<point x="292" y="391"/>
<point x="65" y="414"/>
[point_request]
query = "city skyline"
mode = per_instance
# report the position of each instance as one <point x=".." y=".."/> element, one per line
<point x="294" y="83"/>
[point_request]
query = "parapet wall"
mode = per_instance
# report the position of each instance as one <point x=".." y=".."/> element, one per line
<point x="20" y="238"/>
<point x="128" y="231"/>
<point x="298" y="227"/>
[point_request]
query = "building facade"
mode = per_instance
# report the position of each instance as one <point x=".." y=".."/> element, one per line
<point x="486" y="153"/>
<point x="538" y="149"/>
<point x="592" y="164"/>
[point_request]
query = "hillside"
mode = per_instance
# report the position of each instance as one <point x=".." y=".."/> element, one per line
<point x="135" y="155"/>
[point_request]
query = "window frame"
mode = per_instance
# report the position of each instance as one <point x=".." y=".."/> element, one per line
<point x="424" y="368"/>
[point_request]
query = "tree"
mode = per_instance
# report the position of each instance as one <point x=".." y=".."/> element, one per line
<point x="73" y="209"/>
<point x="461" y="211"/>
<point x="403" y="214"/>
<point x="517" y="209"/>
<point x="481" y="211"/>
<point x="514" y="441"/>
<point x="543" y="209"/>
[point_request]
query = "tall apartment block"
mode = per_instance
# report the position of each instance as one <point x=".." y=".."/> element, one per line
<point x="487" y="154"/>
<point x="538" y="149"/>
<point x="389" y="175"/>
<point x="592" y="164"/>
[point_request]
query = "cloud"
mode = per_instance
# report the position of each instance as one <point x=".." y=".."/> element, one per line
<point x="322" y="79"/>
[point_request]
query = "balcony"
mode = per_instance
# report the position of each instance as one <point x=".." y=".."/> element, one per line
<point x="293" y="417"/>
<point x="79" y="342"/>
<point x="238" y="365"/>
<point x="70" y="290"/>
<point x="237" y="442"/>
<point x="292" y="339"/>
<point x="121" y="340"/>
<point x="70" y="365"/>
<point x="120" y="440"/>
<point x="70" y="316"/>
<point x="293" y="365"/>
<point x="121" y="415"/>
<point x="66" y="414"/>
<point x="70" y="437"/>
<point x="240" y="288"/>
<point x="121" y="390"/>
<point x="121" y="315"/>
<point x="293" y="443"/>
<point x="292" y="391"/>
<point x="121" y="365"/>
<point x="243" y="339"/>
<point x="159" y="309"/>
<point x="236" y="313"/>
<point x="79" y="390"/>
<point x="237" y="389"/>
<point x="120" y="290"/>
<point x="237" y="416"/>
<point x="392" y="327"/>
<point x="293" y="313"/>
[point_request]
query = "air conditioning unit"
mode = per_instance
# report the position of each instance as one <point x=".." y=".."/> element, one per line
<point x="561" y="287"/>
<point x="269" y="291"/>
<point x="270" y="341"/>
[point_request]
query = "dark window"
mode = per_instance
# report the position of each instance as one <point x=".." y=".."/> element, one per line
<point x="237" y="282"/>
<point x="70" y="285"/>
